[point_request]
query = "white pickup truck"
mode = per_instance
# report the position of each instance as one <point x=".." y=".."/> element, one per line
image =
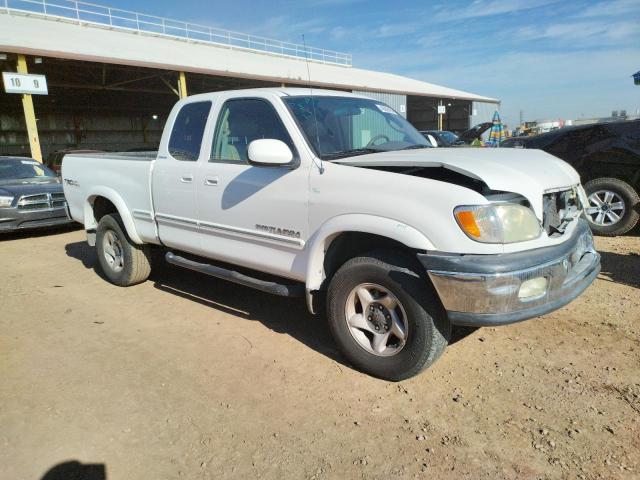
<point x="336" y="197"/>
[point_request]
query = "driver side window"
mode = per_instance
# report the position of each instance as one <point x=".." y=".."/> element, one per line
<point x="242" y="121"/>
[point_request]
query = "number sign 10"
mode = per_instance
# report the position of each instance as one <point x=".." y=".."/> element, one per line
<point x="25" y="83"/>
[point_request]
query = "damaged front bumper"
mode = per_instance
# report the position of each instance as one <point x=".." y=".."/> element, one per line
<point x="488" y="290"/>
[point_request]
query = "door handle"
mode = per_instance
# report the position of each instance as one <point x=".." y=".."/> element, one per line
<point x="211" y="181"/>
<point x="186" y="179"/>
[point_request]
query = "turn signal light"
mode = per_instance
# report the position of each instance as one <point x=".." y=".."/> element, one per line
<point x="467" y="221"/>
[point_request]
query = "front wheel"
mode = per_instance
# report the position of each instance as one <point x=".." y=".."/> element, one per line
<point x="612" y="208"/>
<point x="385" y="317"/>
<point x="123" y="262"/>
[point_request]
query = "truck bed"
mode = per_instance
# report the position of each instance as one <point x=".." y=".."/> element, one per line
<point x="121" y="176"/>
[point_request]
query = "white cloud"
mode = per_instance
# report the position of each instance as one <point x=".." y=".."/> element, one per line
<point x="283" y="27"/>
<point x="334" y="2"/>
<point x="599" y="31"/>
<point x="339" y="33"/>
<point x="394" y="30"/>
<point x="612" y="8"/>
<point x="486" y="8"/>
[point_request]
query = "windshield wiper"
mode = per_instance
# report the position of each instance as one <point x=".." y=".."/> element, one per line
<point x="414" y="147"/>
<point x="349" y="153"/>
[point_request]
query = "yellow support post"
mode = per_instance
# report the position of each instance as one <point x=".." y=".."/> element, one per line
<point x="182" y="85"/>
<point x="30" y="115"/>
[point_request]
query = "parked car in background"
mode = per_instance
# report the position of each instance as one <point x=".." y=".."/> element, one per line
<point x="31" y="195"/>
<point x="335" y="197"/>
<point x="607" y="157"/>
<point x="475" y="132"/>
<point x="445" y="138"/>
<point x="54" y="160"/>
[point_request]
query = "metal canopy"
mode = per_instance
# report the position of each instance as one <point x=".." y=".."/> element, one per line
<point x="37" y="35"/>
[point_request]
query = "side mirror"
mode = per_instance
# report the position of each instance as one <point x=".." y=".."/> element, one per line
<point x="269" y="153"/>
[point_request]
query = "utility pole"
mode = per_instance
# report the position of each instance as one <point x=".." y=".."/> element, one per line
<point x="440" y="117"/>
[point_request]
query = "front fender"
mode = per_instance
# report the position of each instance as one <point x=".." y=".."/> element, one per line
<point x="90" y="222"/>
<point x="385" y="227"/>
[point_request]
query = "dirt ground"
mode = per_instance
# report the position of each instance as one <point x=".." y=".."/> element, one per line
<point x="185" y="376"/>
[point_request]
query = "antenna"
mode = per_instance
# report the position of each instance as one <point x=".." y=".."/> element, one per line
<point x="313" y="102"/>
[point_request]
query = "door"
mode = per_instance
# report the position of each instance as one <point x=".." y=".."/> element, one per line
<point x="174" y="178"/>
<point x="254" y="216"/>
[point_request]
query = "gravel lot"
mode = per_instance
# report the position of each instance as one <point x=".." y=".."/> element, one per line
<point x="189" y="377"/>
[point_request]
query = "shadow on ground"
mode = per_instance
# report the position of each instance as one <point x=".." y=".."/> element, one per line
<point x="621" y="268"/>
<point x="86" y="254"/>
<point x="74" y="470"/>
<point x="38" y="232"/>
<point x="283" y="315"/>
<point x="280" y="314"/>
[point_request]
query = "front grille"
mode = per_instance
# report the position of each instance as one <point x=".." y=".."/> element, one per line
<point x="42" y="201"/>
<point x="557" y="208"/>
<point x="35" y="198"/>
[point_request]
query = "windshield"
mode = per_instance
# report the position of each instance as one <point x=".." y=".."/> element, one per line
<point x="26" y="169"/>
<point x="449" y="137"/>
<point x="338" y="127"/>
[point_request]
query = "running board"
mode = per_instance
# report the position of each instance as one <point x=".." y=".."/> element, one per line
<point x="274" y="288"/>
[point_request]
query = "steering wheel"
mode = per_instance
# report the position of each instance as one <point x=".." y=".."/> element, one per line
<point x="377" y="137"/>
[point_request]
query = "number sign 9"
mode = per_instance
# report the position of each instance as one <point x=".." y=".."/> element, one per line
<point x="25" y="83"/>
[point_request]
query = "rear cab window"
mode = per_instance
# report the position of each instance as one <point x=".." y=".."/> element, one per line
<point x="185" y="141"/>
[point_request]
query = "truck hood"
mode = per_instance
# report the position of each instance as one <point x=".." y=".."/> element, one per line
<point x="474" y="132"/>
<point x="24" y="187"/>
<point x="530" y="173"/>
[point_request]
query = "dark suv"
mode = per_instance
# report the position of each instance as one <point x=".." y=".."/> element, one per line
<point x="607" y="157"/>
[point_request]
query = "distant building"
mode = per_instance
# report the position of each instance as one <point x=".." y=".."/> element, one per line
<point x="543" y="126"/>
<point x="616" y="115"/>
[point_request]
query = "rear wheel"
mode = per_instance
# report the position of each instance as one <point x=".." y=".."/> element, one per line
<point x="385" y="317"/>
<point x="123" y="262"/>
<point x="612" y="208"/>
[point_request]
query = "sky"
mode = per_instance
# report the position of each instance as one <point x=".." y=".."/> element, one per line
<point x="549" y="59"/>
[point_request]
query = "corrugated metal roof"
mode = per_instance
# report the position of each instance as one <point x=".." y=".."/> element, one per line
<point x="67" y="39"/>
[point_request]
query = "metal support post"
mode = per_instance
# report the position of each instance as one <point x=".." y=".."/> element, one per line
<point x="30" y="115"/>
<point x="182" y="85"/>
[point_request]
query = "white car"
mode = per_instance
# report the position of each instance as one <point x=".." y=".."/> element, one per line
<point x="336" y="197"/>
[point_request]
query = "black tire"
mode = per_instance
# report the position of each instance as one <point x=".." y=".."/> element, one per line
<point x="135" y="265"/>
<point x="428" y="328"/>
<point x="631" y="201"/>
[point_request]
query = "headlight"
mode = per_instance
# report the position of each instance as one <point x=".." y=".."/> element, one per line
<point x="5" y="201"/>
<point x="498" y="222"/>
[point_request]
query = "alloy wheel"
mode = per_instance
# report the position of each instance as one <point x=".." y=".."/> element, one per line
<point x="605" y="208"/>
<point x="376" y="319"/>
<point x="112" y="251"/>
